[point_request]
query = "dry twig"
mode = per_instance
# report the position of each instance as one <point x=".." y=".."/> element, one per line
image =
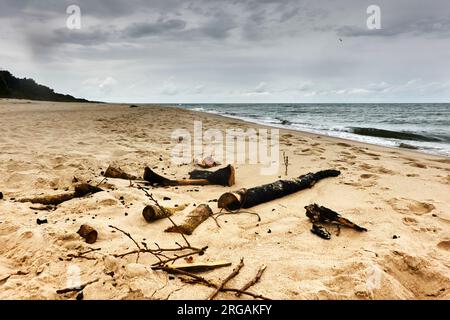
<point x="254" y="280"/>
<point x="230" y="276"/>
<point x="129" y="236"/>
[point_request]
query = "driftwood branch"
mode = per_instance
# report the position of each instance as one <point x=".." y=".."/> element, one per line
<point x="230" y="276"/>
<point x="247" y="198"/>
<point x="81" y="190"/>
<point x="159" y="252"/>
<point x="209" y="283"/>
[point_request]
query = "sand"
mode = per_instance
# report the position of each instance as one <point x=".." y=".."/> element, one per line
<point x="400" y="196"/>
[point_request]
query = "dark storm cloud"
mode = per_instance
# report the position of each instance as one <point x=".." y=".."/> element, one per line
<point x="439" y="27"/>
<point x="143" y="29"/>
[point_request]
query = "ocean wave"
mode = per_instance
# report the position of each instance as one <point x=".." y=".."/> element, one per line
<point x="400" y="135"/>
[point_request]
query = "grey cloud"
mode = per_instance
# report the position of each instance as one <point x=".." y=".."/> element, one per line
<point x="219" y="26"/>
<point x="428" y="27"/>
<point x="142" y="29"/>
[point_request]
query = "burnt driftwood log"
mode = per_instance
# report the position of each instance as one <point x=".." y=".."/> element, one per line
<point x="224" y="177"/>
<point x="193" y="220"/>
<point x="247" y="198"/>
<point x="113" y="172"/>
<point x="81" y="190"/>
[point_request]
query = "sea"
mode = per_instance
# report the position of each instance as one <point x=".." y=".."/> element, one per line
<point x="423" y="127"/>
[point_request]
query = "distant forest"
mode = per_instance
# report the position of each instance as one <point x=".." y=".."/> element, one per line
<point x="15" y="88"/>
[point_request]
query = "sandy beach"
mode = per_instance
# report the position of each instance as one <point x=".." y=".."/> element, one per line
<point x="400" y="196"/>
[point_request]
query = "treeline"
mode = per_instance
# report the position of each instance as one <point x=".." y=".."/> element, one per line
<point x="15" y="88"/>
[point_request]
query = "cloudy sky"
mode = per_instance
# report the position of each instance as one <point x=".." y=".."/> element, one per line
<point x="232" y="51"/>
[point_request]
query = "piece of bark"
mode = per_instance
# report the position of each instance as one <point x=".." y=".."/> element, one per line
<point x="113" y="172"/>
<point x="318" y="213"/>
<point x="320" y="231"/>
<point x="224" y="176"/>
<point x="247" y="198"/>
<point x="193" y="220"/>
<point x="152" y="213"/>
<point x="88" y="233"/>
<point x="198" y="267"/>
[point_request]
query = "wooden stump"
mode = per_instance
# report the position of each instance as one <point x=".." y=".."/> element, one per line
<point x="88" y="233"/>
<point x="193" y="220"/>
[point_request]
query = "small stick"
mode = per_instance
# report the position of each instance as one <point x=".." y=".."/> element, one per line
<point x="286" y="163"/>
<point x="101" y="181"/>
<point x="178" y="257"/>
<point x="82" y="254"/>
<point x="76" y="289"/>
<point x="253" y="281"/>
<point x="129" y="236"/>
<point x="230" y="276"/>
<point x="210" y="283"/>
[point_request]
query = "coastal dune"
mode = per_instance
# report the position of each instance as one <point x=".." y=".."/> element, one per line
<point x="400" y="196"/>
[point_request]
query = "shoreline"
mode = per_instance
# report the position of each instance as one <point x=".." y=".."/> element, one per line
<point x="310" y="134"/>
